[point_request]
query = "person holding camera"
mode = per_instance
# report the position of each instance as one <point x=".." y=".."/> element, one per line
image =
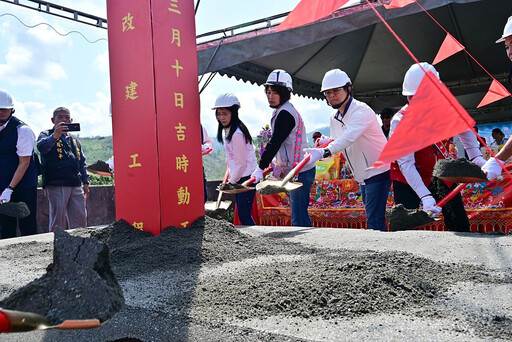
<point x="63" y="164"/>
<point x="18" y="172"/>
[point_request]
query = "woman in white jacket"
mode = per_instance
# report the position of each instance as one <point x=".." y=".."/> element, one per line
<point x="240" y="152"/>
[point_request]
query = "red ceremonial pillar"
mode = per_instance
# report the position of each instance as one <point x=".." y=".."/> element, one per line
<point x="155" y="113"/>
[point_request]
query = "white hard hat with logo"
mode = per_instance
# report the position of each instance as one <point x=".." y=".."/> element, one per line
<point x="335" y="78"/>
<point x="413" y="77"/>
<point x="226" y="100"/>
<point x="6" y="99"/>
<point x="507" y="31"/>
<point x="279" y="77"/>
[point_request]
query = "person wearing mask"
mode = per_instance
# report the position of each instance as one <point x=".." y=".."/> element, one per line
<point x="240" y="154"/>
<point x="359" y="137"/>
<point x="65" y="180"/>
<point x="412" y="175"/>
<point x="18" y="172"/>
<point x="386" y="115"/>
<point x="492" y="167"/>
<point x="287" y="145"/>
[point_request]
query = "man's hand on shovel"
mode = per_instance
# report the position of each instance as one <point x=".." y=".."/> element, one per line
<point x="430" y="207"/>
<point x="6" y="196"/>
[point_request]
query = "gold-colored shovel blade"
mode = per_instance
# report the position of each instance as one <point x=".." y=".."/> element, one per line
<point x="272" y="186"/>
<point x="211" y="205"/>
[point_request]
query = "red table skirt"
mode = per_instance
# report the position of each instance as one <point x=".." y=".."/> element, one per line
<point x="338" y="204"/>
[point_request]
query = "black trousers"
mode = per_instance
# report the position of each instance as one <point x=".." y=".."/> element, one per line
<point x="454" y="213"/>
<point x="28" y="225"/>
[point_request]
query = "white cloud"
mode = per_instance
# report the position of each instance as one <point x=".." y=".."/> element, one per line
<point x="94" y="117"/>
<point x="101" y="62"/>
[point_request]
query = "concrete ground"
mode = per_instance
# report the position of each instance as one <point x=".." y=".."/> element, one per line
<point x="143" y="321"/>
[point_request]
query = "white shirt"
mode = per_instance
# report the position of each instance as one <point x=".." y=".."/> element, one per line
<point x="240" y="155"/>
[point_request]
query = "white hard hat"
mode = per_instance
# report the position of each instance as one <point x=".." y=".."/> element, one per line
<point x="413" y="77"/>
<point x="6" y="99"/>
<point x="507" y="31"/>
<point x="335" y="78"/>
<point x="226" y="101"/>
<point x="279" y="77"/>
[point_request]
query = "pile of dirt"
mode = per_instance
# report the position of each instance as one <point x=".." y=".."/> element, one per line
<point x="285" y="278"/>
<point x="99" y="165"/>
<point x="79" y="284"/>
<point x="461" y="167"/>
<point x="14" y="209"/>
<point x="272" y="189"/>
<point x="401" y="218"/>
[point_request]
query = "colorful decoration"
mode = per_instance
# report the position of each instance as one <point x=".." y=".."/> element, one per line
<point x="338" y="204"/>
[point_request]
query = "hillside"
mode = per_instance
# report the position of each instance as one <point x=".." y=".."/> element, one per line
<point x="100" y="148"/>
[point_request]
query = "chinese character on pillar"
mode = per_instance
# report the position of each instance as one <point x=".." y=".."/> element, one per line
<point x="156" y="128"/>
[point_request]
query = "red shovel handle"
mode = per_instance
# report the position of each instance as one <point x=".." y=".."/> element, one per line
<point x="207" y="151"/>
<point x="253" y="179"/>
<point x="451" y="195"/>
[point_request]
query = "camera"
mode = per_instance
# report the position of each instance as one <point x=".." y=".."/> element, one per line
<point x="72" y="127"/>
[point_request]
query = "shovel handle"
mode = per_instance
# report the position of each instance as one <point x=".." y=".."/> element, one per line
<point x="207" y="151"/>
<point x="253" y="179"/>
<point x="451" y="194"/>
<point x="79" y="324"/>
<point x="296" y="169"/>
<point x="219" y="197"/>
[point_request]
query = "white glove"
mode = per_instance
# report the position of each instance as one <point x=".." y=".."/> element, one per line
<point x="480" y="161"/>
<point x="257" y="174"/>
<point x="316" y="155"/>
<point x="430" y="207"/>
<point x="204" y="147"/>
<point x="6" y="195"/>
<point x="491" y="168"/>
<point x="110" y="163"/>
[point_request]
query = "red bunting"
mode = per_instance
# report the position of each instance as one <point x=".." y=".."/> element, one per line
<point x="496" y="92"/>
<point x="432" y="115"/>
<point x="308" y="11"/>
<point x="449" y="47"/>
<point x="398" y="3"/>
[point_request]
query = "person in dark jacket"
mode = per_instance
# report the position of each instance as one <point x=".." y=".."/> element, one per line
<point x="18" y="172"/>
<point x="64" y="173"/>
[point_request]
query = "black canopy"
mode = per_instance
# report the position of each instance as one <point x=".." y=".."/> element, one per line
<point x="355" y="40"/>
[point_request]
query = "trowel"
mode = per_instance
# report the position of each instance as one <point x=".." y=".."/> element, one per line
<point x="245" y="186"/>
<point x="272" y="186"/>
<point x="19" y="321"/>
<point x="219" y="204"/>
<point x="401" y="218"/>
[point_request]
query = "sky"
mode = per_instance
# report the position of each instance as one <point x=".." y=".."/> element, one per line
<point x="44" y="70"/>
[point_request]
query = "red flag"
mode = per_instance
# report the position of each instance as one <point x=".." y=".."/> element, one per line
<point x="398" y="3"/>
<point x="308" y="11"/>
<point x="449" y="47"/>
<point x="496" y="92"/>
<point x="432" y="115"/>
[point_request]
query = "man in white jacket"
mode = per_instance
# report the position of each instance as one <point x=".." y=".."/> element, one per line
<point x="358" y="135"/>
<point x="412" y="175"/>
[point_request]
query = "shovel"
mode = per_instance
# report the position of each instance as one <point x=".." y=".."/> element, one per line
<point x="223" y="205"/>
<point x="15" y="209"/>
<point x="459" y="171"/>
<point x="400" y="218"/>
<point x="245" y="186"/>
<point x="19" y="321"/>
<point x="272" y="186"/>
